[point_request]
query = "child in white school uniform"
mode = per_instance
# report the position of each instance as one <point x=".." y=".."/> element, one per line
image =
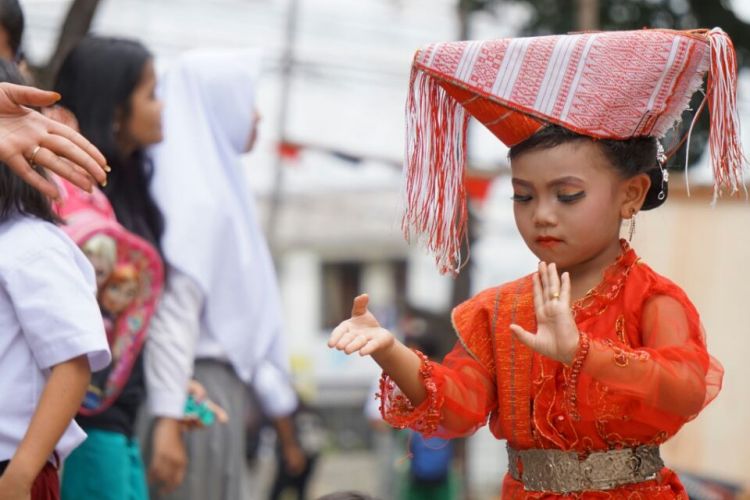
<point x="51" y="338"/>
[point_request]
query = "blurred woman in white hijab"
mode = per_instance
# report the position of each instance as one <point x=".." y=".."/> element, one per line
<point x="221" y="309"/>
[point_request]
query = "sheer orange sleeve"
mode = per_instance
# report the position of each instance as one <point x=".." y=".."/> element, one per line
<point x="461" y="395"/>
<point x="671" y="375"/>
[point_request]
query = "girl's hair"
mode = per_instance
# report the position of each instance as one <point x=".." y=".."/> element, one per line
<point x="96" y="81"/>
<point x="630" y="157"/>
<point x="12" y="21"/>
<point x="16" y="196"/>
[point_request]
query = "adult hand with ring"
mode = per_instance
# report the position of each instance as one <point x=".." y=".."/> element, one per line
<point x="28" y="136"/>
<point x="32" y="158"/>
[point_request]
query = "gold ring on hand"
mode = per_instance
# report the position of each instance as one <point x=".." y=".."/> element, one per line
<point x="555" y="295"/>
<point x="34" y="153"/>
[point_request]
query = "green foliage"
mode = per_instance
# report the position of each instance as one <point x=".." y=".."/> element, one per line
<point x="560" y="16"/>
<point x="476" y="5"/>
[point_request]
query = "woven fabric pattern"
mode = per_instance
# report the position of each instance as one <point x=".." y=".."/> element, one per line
<point x="609" y="85"/>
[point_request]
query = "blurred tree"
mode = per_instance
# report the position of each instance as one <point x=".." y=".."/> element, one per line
<point x="563" y="16"/>
<point x="560" y="16"/>
<point x="76" y="25"/>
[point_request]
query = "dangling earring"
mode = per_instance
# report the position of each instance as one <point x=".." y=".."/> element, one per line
<point x="661" y="160"/>
<point x="631" y="229"/>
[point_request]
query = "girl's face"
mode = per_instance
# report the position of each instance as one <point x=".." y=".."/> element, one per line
<point x="142" y="126"/>
<point x="569" y="202"/>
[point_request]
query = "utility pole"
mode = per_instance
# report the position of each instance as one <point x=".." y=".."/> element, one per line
<point x="588" y="15"/>
<point x="287" y="62"/>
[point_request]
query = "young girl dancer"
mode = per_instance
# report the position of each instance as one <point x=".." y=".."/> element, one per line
<point x="52" y="337"/>
<point x="587" y="372"/>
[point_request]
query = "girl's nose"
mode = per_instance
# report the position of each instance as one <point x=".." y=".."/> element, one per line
<point x="544" y="215"/>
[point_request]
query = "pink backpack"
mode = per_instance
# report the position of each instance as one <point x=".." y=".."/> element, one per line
<point x="130" y="277"/>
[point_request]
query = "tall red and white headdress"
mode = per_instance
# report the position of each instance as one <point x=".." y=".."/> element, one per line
<point x="609" y="85"/>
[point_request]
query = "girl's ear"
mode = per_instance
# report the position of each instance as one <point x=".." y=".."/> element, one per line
<point x="635" y="190"/>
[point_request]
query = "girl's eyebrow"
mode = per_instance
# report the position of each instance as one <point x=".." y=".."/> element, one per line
<point x="521" y="182"/>
<point x="568" y="179"/>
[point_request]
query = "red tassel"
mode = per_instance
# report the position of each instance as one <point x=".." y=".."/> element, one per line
<point x="435" y="158"/>
<point x="727" y="157"/>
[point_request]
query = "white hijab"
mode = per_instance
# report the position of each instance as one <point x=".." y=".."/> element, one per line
<point x="212" y="232"/>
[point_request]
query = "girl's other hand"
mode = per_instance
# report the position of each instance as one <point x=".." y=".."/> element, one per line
<point x="295" y="460"/>
<point x="361" y="333"/>
<point x="200" y="395"/>
<point x="169" y="458"/>
<point x="557" y="335"/>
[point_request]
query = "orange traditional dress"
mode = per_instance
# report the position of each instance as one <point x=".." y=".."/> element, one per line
<point x="641" y="372"/>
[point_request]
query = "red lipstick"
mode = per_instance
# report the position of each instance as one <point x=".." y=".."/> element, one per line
<point x="548" y="241"/>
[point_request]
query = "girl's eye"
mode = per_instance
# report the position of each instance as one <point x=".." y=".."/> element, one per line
<point x="520" y="198"/>
<point x="571" y="198"/>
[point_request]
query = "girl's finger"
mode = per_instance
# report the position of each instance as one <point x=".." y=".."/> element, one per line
<point x="370" y="347"/>
<point x="344" y="340"/>
<point x="553" y="280"/>
<point x="526" y="338"/>
<point x="337" y="333"/>
<point x="359" y="307"/>
<point x="544" y="278"/>
<point x="221" y="416"/>
<point x="538" y="295"/>
<point x="197" y="390"/>
<point x="565" y="289"/>
<point x="356" y="344"/>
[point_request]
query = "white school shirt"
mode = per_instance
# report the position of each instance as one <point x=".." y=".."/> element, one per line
<point x="275" y="392"/>
<point x="178" y="336"/>
<point x="48" y="315"/>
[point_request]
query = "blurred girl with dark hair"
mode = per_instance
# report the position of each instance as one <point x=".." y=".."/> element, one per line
<point x="108" y="84"/>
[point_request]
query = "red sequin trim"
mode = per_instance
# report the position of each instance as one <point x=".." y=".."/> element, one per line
<point x="584" y="343"/>
<point x="598" y="298"/>
<point x="400" y="413"/>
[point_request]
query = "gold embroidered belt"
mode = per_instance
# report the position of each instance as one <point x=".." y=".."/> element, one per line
<point x="563" y="472"/>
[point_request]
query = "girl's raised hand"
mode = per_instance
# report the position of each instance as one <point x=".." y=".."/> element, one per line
<point x="361" y="332"/>
<point x="557" y="334"/>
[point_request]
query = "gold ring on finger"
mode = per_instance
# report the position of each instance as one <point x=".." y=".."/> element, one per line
<point x="34" y="153"/>
<point x="555" y="295"/>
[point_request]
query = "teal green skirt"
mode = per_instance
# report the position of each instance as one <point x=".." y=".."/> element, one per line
<point x="107" y="466"/>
